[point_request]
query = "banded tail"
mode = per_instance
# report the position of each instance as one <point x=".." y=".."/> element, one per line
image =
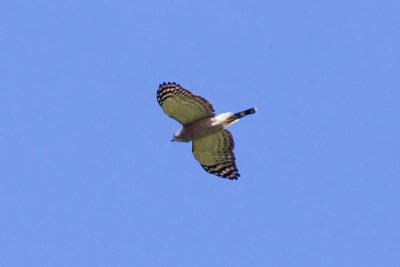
<point x="235" y="117"/>
<point x="245" y="113"/>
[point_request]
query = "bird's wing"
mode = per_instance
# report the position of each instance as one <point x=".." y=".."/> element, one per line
<point x="182" y="105"/>
<point x="215" y="154"/>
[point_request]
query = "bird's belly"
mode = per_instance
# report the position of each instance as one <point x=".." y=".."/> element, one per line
<point x="201" y="129"/>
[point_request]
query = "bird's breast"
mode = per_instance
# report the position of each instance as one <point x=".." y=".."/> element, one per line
<point x="201" y="128"/>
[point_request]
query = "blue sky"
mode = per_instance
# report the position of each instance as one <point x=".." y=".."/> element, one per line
<point x="89" y="176"/>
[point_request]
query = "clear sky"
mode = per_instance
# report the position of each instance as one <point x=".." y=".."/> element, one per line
<point x="89" y="177"/>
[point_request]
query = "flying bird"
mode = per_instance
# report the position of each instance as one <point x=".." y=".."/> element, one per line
<point x="212" y="144"/>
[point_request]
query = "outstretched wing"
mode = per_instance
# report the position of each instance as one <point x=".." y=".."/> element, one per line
<point x="182" y="105"/>
<point x="215" y="154"/>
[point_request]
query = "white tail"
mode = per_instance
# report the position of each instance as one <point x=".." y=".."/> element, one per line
<point x="229" y="118"/>
<point x="224" y="119"/>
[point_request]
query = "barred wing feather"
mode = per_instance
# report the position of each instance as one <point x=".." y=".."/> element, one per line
<point x="215" y="154"/>
<point x="182" y="105"/>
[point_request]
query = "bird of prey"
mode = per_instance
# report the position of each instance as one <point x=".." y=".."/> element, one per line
<point x="212" y="145"/>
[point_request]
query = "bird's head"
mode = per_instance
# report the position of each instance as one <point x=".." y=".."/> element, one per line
<point x="178" y="136"/>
